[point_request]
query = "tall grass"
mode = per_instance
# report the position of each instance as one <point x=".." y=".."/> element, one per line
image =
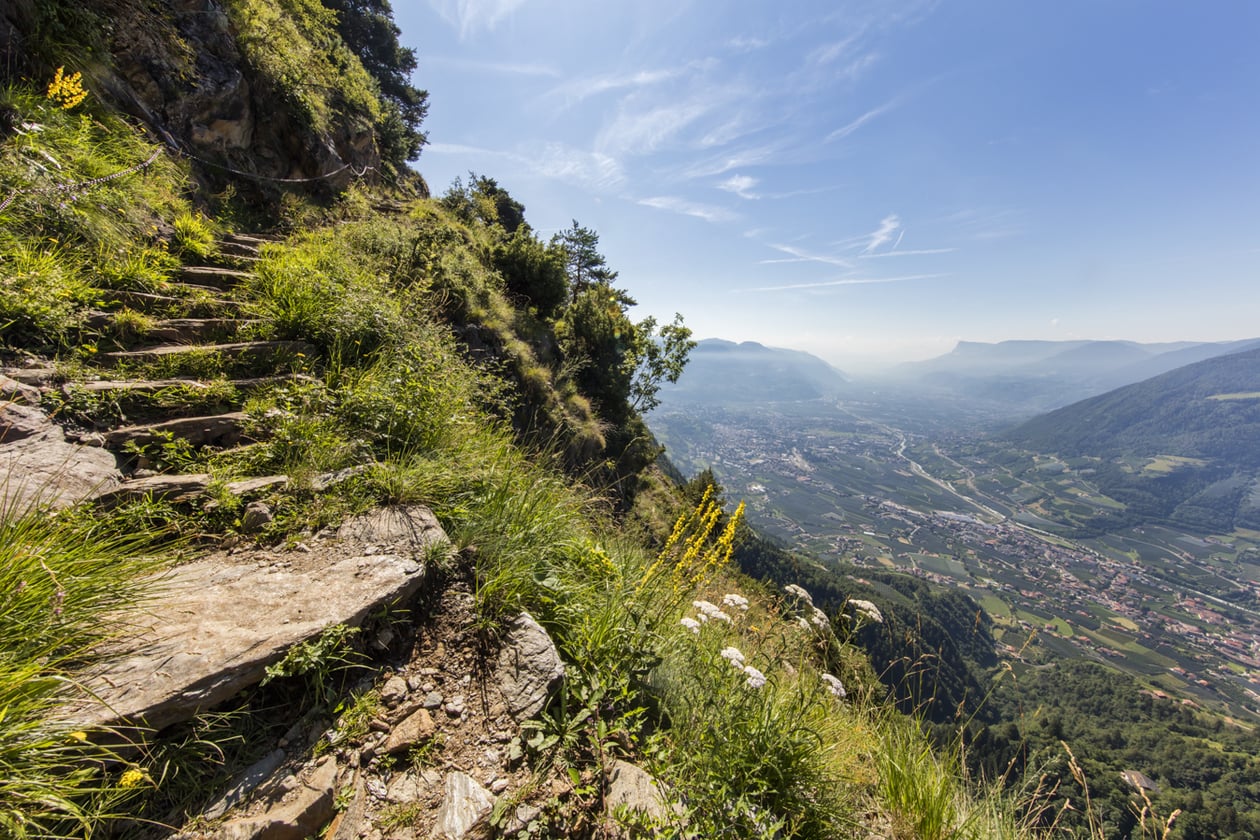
<point x="60" y="581"/>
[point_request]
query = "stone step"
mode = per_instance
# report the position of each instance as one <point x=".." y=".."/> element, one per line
<point x="183" y="487"/>
<point x="237" y="248"/>
<point x="233" y="350"/>
<point x="218" y="622"/>
<point x="256" y="239"/>
<point x="212" y="277"/>
<point x="148" y="301"/>
<point x="149" y="386"/>
<point x="175" y="330"/>
<point x="218" y="429"/>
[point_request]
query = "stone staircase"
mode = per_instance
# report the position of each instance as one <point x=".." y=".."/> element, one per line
<point x="217" y="622"/>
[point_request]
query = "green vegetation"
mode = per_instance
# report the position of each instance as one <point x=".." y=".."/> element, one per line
<point x="443" y="355"/>
<point x="65" y="582"/>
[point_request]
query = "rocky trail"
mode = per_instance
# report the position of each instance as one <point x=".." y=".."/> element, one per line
<point x="440" y="753"/>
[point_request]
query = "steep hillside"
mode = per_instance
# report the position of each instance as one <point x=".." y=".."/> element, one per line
<point x="376" y="546"/>
<point x="1205" y="410"/>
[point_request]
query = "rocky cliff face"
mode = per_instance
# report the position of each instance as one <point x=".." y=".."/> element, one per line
<point x="178" y="66"/>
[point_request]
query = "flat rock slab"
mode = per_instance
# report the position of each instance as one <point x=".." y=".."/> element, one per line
<point x="220" y="621"/>
<point x="38" y="466"/>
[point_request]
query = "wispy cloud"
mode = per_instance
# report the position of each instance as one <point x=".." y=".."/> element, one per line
<point x="845" y="130"/>
<point x="745" y="43"/>
<point x="740" y="185"/>
<point x="917" y="252"/>
<point x="579" y="90"/>
<point x="724" y="162"/>
<point x="688" y="208"/>
<point x="827" y="53"/>
<point x="887" y="227"/>
<point x="500" y="68"/>
<point x="800" y="255"/>
<point x="639" y="132"/>
<point x="592" y="170"/>
<point x="469" y="16"/>
<point x="845" y="281"/>
<point x="986" y="223"/>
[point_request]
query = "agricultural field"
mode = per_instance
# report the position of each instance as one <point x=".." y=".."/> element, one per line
<point x="1179" y="610"/>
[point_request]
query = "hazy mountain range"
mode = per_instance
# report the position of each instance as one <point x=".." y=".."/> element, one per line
<point x="1040" y="375"/>
<point x="723" y="372"/>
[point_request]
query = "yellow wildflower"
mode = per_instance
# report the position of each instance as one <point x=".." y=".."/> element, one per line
<point x="133" y="778"/>
<point x="66" y="91"/>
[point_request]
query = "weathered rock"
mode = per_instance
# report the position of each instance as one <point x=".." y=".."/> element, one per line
<point x="251" y="350"/>
<point x="634" y="789"/>
<point x="39" y="466"/>
<point x="412" y="785"/>
<point x="257" y="516"/>
<point x="393" y="526"/>
<point x="464" y="805"/>
<point x="177" y="488"/>
<point x="300" y="813"/>
<point x="411" y="730"/>
<point x="182" y="487"/>
<point x="394" y="691"/>
<point x="13" y="391"/>
<point x="221" y="429"/>
<point x="528" y="668"/>
<point x="349" y="824"/>
<point x="222" y="620"/>
<point x="213" y="276"/>
<point x="245" y="784"/>
<point x="18" y="422"/>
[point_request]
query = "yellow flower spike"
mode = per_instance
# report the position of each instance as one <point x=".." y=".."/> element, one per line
<point x="66" y="91"/>
<point x="133" y="778"/>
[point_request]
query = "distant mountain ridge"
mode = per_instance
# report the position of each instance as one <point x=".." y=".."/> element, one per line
<point x="1042" y="375"/>
<point x="726" y="372"/>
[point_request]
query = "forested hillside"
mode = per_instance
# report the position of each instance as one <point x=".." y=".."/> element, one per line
<point x="1178" y="447"/>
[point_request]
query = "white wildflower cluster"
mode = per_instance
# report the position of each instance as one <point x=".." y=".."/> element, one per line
<point x="691" y="624"/>
<point x="737" y="602"/>
<point x="866" y="610"/>
<point x="834" y="685"/>
<point x="733" y="655"/>
<point x="818" y="618"/>
<point x="709" y="610"/>
<point x="797" y="592"/>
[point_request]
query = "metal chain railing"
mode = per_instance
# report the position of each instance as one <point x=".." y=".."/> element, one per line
<point x="83" y="186"/>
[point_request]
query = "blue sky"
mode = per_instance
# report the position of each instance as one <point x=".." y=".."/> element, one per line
<point x="873" y="181"/>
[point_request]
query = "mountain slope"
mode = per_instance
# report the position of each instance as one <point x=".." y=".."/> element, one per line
<point x="725" y="372"/>
<point x="1210" y="409"/>
<point x="1183" y="446"/>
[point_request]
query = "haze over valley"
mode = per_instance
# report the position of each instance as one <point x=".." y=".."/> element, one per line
<point x="1123" y="528"/>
